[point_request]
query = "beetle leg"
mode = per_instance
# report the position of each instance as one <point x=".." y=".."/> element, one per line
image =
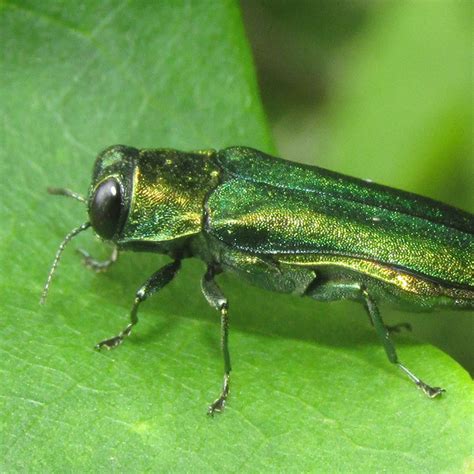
<point x="156" y="282"/>
<point x="217" y="300"/>
<point x="384" y="334"/>
<point x="397" y="328"/>
<point x="394" y="328"/>
<point x="98" y="265"/>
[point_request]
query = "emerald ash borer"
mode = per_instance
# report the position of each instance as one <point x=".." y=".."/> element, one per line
<point x="280" y="225"/>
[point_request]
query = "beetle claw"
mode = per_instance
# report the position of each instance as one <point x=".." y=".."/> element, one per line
<point x="217" y="406"/>
<point x="431" y="392"/>
<point x="111" y="343"/>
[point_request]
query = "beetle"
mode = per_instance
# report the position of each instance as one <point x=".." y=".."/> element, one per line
<point x="282" y="226"/>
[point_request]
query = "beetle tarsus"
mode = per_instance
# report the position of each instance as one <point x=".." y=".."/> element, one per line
<point x="219" y="404"/>
<point x="111" y="343"/>
<point x="98" y="265"/>
<point x="431" y="392"/>
<point x="114" y="342"/>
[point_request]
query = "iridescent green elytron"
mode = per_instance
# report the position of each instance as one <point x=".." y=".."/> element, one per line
<point x="283" y="226"/>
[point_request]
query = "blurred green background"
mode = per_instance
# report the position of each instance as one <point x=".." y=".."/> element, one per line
<point x="379" y="90"/>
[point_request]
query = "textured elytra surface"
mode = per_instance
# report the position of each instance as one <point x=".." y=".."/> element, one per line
<point x="272" y="219"/>
<point x="311" y="387"/>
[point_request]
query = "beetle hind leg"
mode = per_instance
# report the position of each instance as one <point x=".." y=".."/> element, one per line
<point x="337" y="290"/>
<point x="384" y="335"/>
<point x="98" y="265"/>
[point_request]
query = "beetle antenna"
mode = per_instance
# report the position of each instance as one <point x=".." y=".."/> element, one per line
<point x="61" y="247"/>
<point x="68" y="193"/>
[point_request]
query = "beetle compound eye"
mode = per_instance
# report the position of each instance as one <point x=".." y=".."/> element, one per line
<point x="105" y="208"/>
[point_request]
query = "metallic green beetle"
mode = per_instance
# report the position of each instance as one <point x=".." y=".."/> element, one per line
<point x="282" y="226"/>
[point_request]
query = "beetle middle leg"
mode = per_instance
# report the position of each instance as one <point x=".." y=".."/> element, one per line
<point x="98" y="265"/>
<point x="384" y="335"/>
<point x="217" y="300"/>
<point x="397" y="328"/>
<point x="156" y="282"/>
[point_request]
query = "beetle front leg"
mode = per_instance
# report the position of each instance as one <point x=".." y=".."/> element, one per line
<point x="217" y="300"/>
<point x="156" y="282"/>
<point x="98" y="265"/>
<point x="384" y="334"/>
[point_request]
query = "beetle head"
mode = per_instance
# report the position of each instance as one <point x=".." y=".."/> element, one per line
<point x="108" y="201"/>
<point x="110" y="192"/>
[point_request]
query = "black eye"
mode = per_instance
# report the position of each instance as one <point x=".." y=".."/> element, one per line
<point x="104" y="212"/>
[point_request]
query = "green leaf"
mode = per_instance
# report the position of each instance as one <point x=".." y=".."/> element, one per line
<point x="311" y="388"/>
